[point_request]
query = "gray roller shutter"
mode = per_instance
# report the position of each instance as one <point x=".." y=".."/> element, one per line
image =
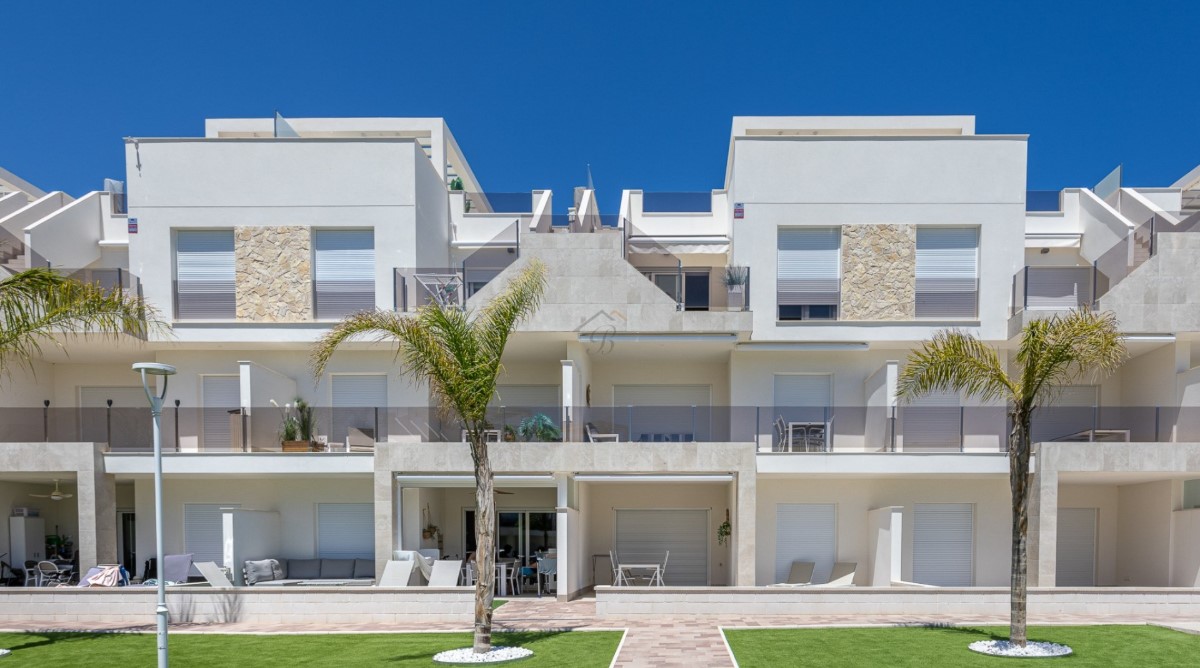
<point x="1076" y="552"/>
<point x="1058" y="287"/>
<point x="805" y="532"/>
<point x="344" y="272"/>
<point x="204" y="275"/>
<point x="219" y="395"/>
<point x="360" y="401"/>
<point x="947" y="272"/>
<point x="803" y="397"/>
<point x="345" y="531"/>
<point x="204" y="532"/>
<point x="809" y="266"/>
<point x="932" y="423"/>
<point x="645" y="536"/>
<point x="944" y="544"/>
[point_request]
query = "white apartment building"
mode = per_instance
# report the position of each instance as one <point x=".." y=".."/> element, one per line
<point x="712" y="361"/>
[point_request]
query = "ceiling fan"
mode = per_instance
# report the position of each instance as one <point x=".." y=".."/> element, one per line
<point x="56" y="495"/>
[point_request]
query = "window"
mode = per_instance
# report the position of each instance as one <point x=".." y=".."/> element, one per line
<point x="204" y="275"/>
<point x="693" y="291"/>
<point x="809" y="273"/>
<point x="947" y="272"/>
<point x="344" y="272"/>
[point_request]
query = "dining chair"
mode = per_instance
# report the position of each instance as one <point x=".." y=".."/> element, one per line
<point x="547" y="570"/>
<point x="31" y="574"/>
<point x="662" y="571"/>
<point x="48" y="573"/>
<point x="618" y="578"/>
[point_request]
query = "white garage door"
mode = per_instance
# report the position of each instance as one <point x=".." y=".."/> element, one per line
<point x="805" y="532"/>
<point x="1076" y="547"/>
<point x="645" y="536"/>
<point x="129" y="418"/>
<point x="943" y="544"/>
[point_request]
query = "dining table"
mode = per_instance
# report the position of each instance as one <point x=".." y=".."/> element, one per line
<point x="653" y="569"/>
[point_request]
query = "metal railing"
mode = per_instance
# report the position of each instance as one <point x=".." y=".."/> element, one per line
<point x="1053" y="288"/>
<point x="771" y="429"/>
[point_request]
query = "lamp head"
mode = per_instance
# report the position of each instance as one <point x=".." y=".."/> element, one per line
<point x="154" y="368"/>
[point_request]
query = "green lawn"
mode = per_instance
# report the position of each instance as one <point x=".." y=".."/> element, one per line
<point x="128" y="650"/>
<point x="938" y="647"/>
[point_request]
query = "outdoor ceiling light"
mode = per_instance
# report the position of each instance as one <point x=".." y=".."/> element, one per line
<point x="802" y="345"/>
<point x="633" y="477"/>
<point x="1136" y="338"/>
<point x="589" y="337"/>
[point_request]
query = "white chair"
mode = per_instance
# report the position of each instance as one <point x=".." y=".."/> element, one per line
<point x="661" y="572"/>
<point x="618" y="577"/>
<point x="514" y="578"/>
<point x="31" y="574"/>
<point x="594" y="437"/>
<point x="48" y="573"/>
<point x="781" y="435"/>
<point x="547" y="570"/>
<point x="397" y="573"/>
<point x="213" y="575"/>
<point x="445" y="573"/>
<point x="842" y="575"/>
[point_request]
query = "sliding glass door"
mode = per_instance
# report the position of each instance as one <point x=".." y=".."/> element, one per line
<point x="519" y="533"/>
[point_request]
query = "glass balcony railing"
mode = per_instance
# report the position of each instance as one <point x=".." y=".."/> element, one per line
<point x="498" y="202"/>
<point x="1043" y="200"/>
<point x="772" y="429"/>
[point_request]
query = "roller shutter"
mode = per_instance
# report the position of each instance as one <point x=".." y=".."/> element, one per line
<point x="944" y="544"/>
<point x="344" y="272"/>
<point x="809" y="266"/>
<point x="947" y="272"/>
<point x="1076" y="547"/>
<point x="805" y="532"/>
<point x="645" y="536"/>
<point x="345" y="531"/>
<point x="204" y="275"/>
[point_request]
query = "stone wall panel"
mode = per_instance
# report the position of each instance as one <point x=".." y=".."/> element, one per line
<point x="274" y="273"/>
<point x="879" y="272"/>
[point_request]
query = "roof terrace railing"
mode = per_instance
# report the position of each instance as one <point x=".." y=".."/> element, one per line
<point x="1043" y="200"/>
<point x="677" y="202"/>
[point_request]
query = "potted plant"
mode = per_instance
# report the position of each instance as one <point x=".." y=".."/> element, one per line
<point x="724" y="530"/>
<point x="736" y="279"/>
<point x="295" y="427"/>
<point x="431" y="530"/>
<point x="538" y="427"/>
<point x="509" y="434"/>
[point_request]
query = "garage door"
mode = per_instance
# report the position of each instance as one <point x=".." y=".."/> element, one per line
<point x="129" y="419"/>
<point x="805" y="532"/>
<point x="645" y="536"/>
<point x="1076" y="547"/>
<point x="663" y="412"/>
<point x="943" y="544"/>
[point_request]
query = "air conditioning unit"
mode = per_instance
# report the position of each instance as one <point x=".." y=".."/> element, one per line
<point x="20" y="511"/>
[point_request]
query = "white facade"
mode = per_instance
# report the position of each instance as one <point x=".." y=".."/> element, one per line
<point x="639" y="339"/>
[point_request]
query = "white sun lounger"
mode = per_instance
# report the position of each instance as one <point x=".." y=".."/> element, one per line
<point x="445" y="573"/>
<point x="799" y="576"/>
<point x="397" y="573"/>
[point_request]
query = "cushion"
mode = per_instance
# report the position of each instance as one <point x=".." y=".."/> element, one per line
<point x="278" y="569"/>
<point x="304" y="569"/>
<point x="337" y="569"/>
<point x="261" y="570"/>
<point x="364" y="568"/>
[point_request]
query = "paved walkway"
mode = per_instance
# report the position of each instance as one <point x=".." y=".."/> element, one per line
<point x="667" y="640"/>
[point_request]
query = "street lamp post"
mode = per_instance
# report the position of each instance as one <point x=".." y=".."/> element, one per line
<point x="156" y="401"/>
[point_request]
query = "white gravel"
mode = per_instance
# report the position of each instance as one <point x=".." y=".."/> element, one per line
<point x="5" y="652"/>
<point x="1032" y="650"/>
<point x="467" y="655"/>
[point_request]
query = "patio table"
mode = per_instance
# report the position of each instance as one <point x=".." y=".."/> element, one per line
<point x="653" y="568"/>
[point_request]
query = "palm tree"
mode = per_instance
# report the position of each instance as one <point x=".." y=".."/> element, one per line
<point x="39" y="305"/>
<point x="1053" y="352"/>
<point x="458" y="354"/>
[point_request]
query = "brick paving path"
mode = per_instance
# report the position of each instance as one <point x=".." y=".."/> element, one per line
<point x="659" y="640"/>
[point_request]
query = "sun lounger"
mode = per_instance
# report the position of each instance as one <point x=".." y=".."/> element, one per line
<point x="445" y="573"/>
<point x="397" y="573"/>
<point x="800" y="575"/>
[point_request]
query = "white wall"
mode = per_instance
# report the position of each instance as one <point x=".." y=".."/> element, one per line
<point x="250" y="535"/>
<point x="856" y="497"/>
<point x="69" y="237"/>
<point x="1185" y="548"/>
<point x="920" y="181"/>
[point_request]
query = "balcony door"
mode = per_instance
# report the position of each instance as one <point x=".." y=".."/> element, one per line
<point x="520" y="534"/>
<point x="652" y="413"/>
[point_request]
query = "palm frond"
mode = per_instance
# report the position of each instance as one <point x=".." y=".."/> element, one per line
<point x="1066" y="349"/>
<point x="954" y="361"/>
<point x="39" y="305"/>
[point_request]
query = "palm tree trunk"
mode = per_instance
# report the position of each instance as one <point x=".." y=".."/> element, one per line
<point x="1018" y="471"/>
<point x="485" y="541"/>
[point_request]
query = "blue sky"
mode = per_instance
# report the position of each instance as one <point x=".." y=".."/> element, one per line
<point x="643" y="91"/>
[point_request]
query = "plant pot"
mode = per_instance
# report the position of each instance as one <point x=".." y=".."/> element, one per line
<point x="297" y="446"/>
<point x="737" y="297"/>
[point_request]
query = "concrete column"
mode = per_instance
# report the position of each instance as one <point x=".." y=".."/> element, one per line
<point x="386" y="527"/>
<point x="744" y="527"/>
<point x="96" y="496"/>
<point x="1042" y="555"/>
<point x="564" y="528"/>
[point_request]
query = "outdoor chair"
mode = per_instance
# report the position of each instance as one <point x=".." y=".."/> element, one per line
<point x="781" y="435"/>
<point x="661" y="572"/>
<point x="445" y="573"/>
<point x="546" y="571"/>
<point x="514" y="579"/>
<point x="213" y="575"/>
<point x="397" y="573"/>
<point x="359" y="439"/>
<point x="176" y="567"/>
<point x="842" y="575"/>
<point x="618" y="578"/>
<point x="800" y="574"/>
<point x="594" y="437"/>
<point x="48" y="573"/>
<point x="31" y="574"/>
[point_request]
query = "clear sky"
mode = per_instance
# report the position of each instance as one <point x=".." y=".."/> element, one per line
<point x="644" y="91"/>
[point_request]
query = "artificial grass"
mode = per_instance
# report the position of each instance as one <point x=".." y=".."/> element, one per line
<point x="942" y="646"/>
<point x="125" y="650"/>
